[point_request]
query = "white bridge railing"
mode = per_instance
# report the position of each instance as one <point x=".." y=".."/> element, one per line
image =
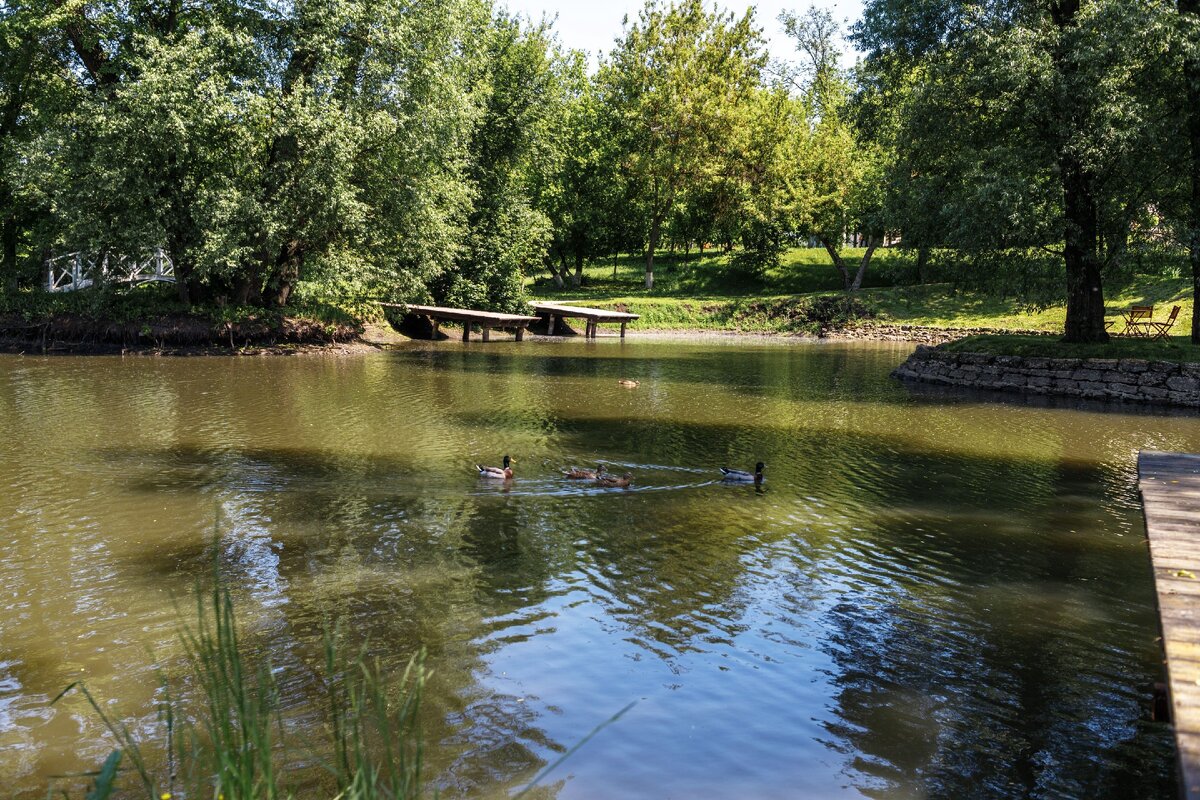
<point x="78" y="270"/>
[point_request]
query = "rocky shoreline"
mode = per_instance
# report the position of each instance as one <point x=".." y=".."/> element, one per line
<point x="1129" y="380"/>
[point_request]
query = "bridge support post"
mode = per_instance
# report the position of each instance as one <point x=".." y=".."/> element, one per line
<point x="486" y="331"/>
<point x="466" y="331"/>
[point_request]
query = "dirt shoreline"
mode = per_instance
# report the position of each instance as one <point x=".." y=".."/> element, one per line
<point x="377" y="337"/>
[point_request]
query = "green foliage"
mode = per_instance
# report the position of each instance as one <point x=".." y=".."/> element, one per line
<point x="333" y="154"/>
<point x="1024" y="126"/>
<point x="677" y="88"/>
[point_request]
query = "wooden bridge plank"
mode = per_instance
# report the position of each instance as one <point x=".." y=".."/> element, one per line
<point x="583" y="312"/>
<point x="594" y="316"/>
<point x="485" y="319"/>
<point x="1170" y="489"/>
<point x="494" y="318"/>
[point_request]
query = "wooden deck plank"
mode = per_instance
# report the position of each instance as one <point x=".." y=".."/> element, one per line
<point x="1170" y="489"/>
<point x="492" y="318"/>
<point x="583" y="312"/>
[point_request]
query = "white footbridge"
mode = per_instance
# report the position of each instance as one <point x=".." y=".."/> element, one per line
<point x="73" y="271"/>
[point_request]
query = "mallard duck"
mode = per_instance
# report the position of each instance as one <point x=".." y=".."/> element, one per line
<point x="577" y="474"/>
<point x="628" y="384"/>
<point x="499" y="473"/>
<point x="613" y="482"/>
<point x="741" y="476"/>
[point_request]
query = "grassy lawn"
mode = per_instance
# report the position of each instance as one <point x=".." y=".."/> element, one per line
<point x="801" y="271"/>
<point x="706" y="293"/>
<point x="1175" y="348"/>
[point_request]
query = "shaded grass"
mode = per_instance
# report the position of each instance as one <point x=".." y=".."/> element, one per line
<point x="1176" y="348"/>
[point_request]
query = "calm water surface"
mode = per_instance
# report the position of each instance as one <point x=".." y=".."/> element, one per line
<point x="934" y="595"/>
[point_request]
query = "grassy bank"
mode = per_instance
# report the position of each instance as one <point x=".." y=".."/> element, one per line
<point x="152" y="318"/>
<point x="711" y="295"/>
<point x="1176" y="349"/>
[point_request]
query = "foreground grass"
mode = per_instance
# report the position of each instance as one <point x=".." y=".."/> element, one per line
<point x="229" y="740"/>
<point x="232" y="736"/>
<point x="707" y="294"/>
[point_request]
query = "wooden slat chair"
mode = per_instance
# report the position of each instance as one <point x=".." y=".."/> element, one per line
<point x="1159" y="330"/>
<point x="1138" y="321"/>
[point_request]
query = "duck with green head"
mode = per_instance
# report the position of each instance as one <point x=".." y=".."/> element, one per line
<point x="741" y="476"/>
<point x="504" y="473"/>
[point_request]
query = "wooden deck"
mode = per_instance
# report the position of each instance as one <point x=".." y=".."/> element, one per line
<point x="594" y="316"/>
<point x="1170" y="488"/>
<point x="486" y="320"/>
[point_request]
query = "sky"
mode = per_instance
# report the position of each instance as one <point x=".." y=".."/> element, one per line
<point x="593" y="25"/>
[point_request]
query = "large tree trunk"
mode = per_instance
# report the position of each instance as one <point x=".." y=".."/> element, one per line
<point x="922" y="263"/>
<point x="651" y="245"/>
<point x="836" y="257"/>
<point x="577" y="280"/>
<point x="286" y="272"/>
<point x="8" y="256"/>
<point x="1191" y="74"/>
<point x="1085" y="295"/>
<point x="872" y="243"/>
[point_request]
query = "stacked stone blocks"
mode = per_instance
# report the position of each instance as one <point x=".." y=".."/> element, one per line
<point x="1126" y="379"/>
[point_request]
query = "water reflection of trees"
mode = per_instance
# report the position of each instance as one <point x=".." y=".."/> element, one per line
<point x="996" y="673"/>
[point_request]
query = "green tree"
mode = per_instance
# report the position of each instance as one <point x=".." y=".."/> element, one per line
<point x="32" y="92"/>
<point x="514" y="80"/>
<point x="324" y="146"/>
<point x="843" y="169"/>
<point x="580" y="188"/>
<point x="677" y="88"/>
<point x="1030" y="125"/>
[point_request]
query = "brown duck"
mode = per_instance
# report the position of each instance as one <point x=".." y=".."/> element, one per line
<point x="613" y="482"/>
<point x="577" y="474"/>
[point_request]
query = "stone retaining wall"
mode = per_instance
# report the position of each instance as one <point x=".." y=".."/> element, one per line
<point x="1126" y="379"/>
<point x="919" y="333"/>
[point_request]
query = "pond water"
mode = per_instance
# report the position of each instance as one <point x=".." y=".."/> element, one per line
<point x="932" y="595"/>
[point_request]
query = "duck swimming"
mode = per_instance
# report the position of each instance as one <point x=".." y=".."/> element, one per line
<point x="627" y="383"/>
<point x="613" y="482"/>
<point x="577" y="474"/>
<point x="497" y="473"/>
<point x="741" y="476"/>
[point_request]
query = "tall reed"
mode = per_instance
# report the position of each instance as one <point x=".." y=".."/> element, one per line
<point x="228" y="741"/>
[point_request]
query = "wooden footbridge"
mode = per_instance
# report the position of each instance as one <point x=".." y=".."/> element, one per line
<point x="486" y="320"/>
<point x="489" y="320"/>
<point x="1170" y="489"/>
<point x="593" y="316"/>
